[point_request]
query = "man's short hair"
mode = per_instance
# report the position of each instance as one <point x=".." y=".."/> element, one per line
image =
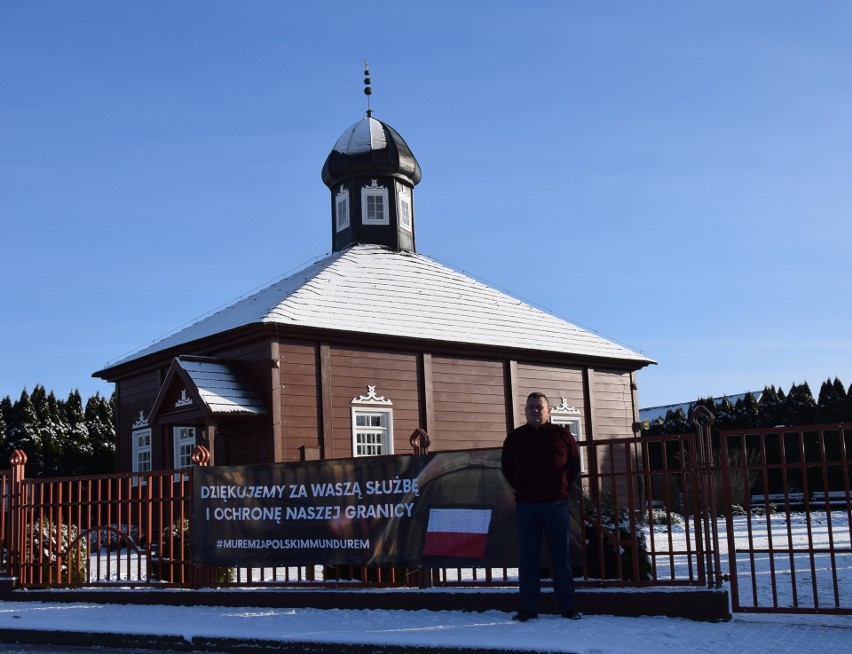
<point x="535" y="395"/>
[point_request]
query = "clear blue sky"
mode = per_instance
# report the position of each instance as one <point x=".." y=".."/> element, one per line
<point x="674" y="176"/>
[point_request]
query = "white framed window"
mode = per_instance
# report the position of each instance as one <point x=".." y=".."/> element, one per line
<point x="374" y="205"/>
<point x="341" y="209"/>
<point x="371" y="432"/>
<point x="184" y="444"/>
<point x="372" y="424"/>
<point x="568" y="416"/>
<point x="403" y="206"/>
<point x="574" y="425"/>
<point x="141" y="453"/>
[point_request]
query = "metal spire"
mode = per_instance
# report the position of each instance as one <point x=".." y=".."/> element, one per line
<point x="367" y="89"/>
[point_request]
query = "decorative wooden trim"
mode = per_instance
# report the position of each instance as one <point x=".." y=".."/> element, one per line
<point x="564" y="408"/>
<point x="371" y="398"/>
<point x="183" y="400"/>
<point x="141" y="421"/>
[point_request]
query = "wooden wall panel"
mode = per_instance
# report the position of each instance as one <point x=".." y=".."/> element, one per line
<point x="475" y="400"/>
<point x="469" y="403"/>
<point x="396" y="376"/>
<point x="613" y="404"/>
<point x="613" y="419"/>
<point x="135" y="394"/>
<point x="554" y="382"/>
<point x="254" y="360"/>
<point x="138" y="392"/>
<point x="299" y="397"/>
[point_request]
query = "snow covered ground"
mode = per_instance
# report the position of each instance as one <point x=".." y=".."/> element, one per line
<point x="799" y="580"/>
<point x="745" y="633"/>
<point x="446" y="629"/>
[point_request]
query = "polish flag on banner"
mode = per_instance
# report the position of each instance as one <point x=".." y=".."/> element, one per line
<point x="457" y="532"/>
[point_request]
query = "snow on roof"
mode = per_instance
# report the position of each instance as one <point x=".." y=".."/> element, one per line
<point x="371" y="289"/>
<point x="364" y="136"/>
<point x="220" y="388"/>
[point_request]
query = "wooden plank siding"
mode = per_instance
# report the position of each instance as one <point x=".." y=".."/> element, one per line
<point x="555" y="382"/>
<point x="136" y="394"/>
<point x="469" y="403"/>
<point x="307" y="382"/>
<point x="247" y="441"/>
<point x="614" y="404"/>
<point x="395" y="376"/>
<point x="614" y="410"/>
<point x="298" y="398"/>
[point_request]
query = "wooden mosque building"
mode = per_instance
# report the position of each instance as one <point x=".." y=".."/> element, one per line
<point x="354" y="353"/>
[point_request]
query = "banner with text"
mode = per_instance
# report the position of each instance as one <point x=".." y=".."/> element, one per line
<point x="436" y="510"/>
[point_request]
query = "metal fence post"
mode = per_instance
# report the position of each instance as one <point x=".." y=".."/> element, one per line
<point x="706" y="469"/>
<point x="420" y="442"/>
<point x="16" y="536"/>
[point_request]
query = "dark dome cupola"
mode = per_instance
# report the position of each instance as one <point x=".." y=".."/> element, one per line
<point x="371" y="173"/>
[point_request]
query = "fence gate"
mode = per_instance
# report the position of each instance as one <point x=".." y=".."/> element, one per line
<point x="786" y="493"/>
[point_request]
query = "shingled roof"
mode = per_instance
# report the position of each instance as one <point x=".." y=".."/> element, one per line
<point x="370" y="289"/>
<point x="220" y="388"/>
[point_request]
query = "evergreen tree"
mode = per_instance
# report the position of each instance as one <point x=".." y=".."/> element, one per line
<point x="725" y="413"/>
<point x="3" y="428"/>
<point x="783" y="409"/>
<point x="847" y="414"/>
<point x="6" y="417"/>
<point x="676" y="422"/>
<point x="78" y="448"/>
<point x="747" y="412"/>
<point x="801" y="405"/>
<point x="99" y="423"/>
<point x="831" y="403"/>
<point x="771" y="408"/>
<point x="50" y="431"/>
<point x="708" y="402"/>
<point x="23" y="433"/>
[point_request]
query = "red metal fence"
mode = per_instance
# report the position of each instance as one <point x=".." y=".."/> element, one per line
<point x="648" y="514"/>
<point x="133" y="530"/>
<point x="788" y="524"/>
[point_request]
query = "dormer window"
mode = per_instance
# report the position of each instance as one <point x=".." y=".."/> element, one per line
<point x="374" y="205"/>
<point x="341" y="209"/>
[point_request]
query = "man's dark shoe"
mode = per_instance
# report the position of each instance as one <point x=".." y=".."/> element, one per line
<point x="572" y="615"/>
<point x="523" y="616"/>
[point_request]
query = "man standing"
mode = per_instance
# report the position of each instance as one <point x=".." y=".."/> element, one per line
<point x="540" y="461"/>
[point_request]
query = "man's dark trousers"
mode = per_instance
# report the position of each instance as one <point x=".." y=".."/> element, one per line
<point x="551" y="519"/>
